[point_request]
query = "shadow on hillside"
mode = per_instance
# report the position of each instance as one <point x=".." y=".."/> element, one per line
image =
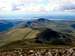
<point x="50" y="36"/>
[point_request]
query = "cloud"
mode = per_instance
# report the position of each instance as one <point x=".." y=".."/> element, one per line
<point x="42" y="5"/>
<point x="68" y="7"/>
<point x="36" y="6"/>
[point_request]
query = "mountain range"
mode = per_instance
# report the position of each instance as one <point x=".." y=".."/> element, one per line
<point x="37" y="32"/>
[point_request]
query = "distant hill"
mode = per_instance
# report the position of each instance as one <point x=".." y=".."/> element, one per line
<point x="59" y="25"/>
<point x="5" y="25"/>
<point x="39" y="23"/>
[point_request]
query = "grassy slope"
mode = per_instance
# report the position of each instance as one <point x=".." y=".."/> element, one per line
<point x="23" y="37"/>
<point x="18" y="35"/>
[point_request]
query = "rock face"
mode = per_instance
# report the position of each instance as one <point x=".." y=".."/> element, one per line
<point x="53" y="37"/>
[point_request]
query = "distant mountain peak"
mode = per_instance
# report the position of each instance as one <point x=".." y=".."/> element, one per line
<point x="42" y="19"/>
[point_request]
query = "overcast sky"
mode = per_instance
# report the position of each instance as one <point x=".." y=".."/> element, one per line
<point x="11" y="7"/>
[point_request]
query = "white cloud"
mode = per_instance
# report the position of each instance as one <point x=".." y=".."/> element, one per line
<point x="33" y="6"/>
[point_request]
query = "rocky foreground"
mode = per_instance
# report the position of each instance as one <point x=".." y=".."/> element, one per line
<point x="38" y="52"/>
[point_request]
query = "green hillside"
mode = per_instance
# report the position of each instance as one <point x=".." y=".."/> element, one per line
<point x="28" y="37"/>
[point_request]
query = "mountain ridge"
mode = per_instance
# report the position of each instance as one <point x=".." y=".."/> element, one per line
<point x="35" y="38"/>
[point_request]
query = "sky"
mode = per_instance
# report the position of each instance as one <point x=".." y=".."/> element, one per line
<point x="37" y="7"/>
